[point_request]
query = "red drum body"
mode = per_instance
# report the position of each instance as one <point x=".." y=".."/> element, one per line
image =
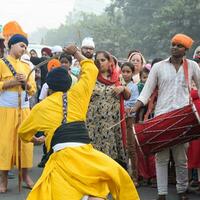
<point x="169" y="129"/>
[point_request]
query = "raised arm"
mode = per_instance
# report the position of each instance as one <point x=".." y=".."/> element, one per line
<point x="80" y="93"/>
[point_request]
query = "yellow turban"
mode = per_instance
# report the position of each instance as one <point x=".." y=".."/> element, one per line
<point x="185" y="40"/>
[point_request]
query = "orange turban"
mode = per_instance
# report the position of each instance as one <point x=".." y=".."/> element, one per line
<point x="185" y="40"/>
<point x="54" y="63"/>
<point x="12" y="28"/>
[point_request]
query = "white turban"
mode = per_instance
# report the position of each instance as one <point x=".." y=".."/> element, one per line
<point x="56" y="49"/>
<point x="88" y="42"/>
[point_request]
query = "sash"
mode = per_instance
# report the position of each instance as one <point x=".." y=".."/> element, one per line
<point x="10" y="99"/>
<point x="12" y="70"/>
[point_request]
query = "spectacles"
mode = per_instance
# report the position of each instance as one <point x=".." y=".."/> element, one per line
<point x="178" y="45"/>
<point x="88" y="48"/>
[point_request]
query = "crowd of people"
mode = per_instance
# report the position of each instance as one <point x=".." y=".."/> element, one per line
<point x="82" y="105"/>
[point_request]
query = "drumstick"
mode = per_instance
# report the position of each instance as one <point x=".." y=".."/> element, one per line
<point x="36" y="67"/>
<point x="117" y="123"/>
<point x="124" y="118"/>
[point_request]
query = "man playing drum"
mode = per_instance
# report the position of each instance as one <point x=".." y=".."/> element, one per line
<point x="168" y="77"/>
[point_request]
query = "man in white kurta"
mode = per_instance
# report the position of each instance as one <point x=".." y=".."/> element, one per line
<point x="173" y="93"/>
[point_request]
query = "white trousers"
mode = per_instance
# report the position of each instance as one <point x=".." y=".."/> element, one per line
<point x="162" y="159"/>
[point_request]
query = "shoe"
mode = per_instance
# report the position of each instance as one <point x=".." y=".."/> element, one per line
<point x="161" y="197"/>
<point x="183" y="196"/>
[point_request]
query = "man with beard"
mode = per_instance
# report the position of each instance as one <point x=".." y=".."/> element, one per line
<point x="168" y="76"/>
<point x="87" y="47"/>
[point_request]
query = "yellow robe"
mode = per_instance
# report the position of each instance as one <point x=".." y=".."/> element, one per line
<point x="74" y="172"/>
<point x="9" y="120"/>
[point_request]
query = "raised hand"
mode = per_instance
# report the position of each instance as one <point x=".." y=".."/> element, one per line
<point x="71" y="49"/>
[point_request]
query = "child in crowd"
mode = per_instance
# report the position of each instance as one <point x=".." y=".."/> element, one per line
<point x="75" y="69"/>
<point x="127" y="70"/>
<point x="143" y="77"/>
<point x="146" y="165"/>
<point x="66" y="62"/>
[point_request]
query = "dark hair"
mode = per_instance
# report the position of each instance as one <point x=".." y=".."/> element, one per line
<point x="67" y="56"/>
<point x="144" y="70"/>
<point x="33" y="50"/>
<point x="115" y="60"/>
<point x="106" y="54"/>
<point x="130" y="65"/>
<point x="155" y="60"/>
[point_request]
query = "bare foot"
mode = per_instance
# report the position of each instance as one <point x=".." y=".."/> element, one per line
<point x="3" y="186"/>
<point x="4" y="181"/>
<point x="28" y="181"/>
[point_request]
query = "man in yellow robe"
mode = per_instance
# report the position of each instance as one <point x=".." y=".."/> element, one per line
<point x="75" y="169"/>
<point x="13" y="110"/>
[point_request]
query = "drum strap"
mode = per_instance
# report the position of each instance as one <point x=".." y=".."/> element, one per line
<point x="154" y="95"/>
<point x="185" y="69"/>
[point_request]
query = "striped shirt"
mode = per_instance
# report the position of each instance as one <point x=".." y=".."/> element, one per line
<point x="172" y="88"/>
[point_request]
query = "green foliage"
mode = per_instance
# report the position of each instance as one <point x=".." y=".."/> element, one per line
<point x="133" y="24"/>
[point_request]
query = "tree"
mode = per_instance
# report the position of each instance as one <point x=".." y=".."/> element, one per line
<point x="131" y="24"/>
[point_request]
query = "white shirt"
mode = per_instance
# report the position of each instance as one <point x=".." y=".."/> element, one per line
<point x="44" y="91"/>
<point x="172" y="88"/>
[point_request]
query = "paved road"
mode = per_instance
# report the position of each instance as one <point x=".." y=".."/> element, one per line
<point x="146" y="193"/>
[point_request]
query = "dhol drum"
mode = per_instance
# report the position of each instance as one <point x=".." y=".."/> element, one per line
<point x="169" y="129"/>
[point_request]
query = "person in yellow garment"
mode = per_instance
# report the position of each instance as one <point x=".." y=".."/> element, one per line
<point x="13" y="110"/>
<point x="75" y="169"/>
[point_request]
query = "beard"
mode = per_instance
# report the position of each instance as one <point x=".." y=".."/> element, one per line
<point x="88" y="55"/>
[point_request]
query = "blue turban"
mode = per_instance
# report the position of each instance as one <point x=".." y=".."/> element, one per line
<point x="16" y="39"/>
<point x="58" y="79"/>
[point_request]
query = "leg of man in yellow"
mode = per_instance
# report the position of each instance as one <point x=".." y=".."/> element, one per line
<point x="9" y="147"/>
<point x="77" y="171"/>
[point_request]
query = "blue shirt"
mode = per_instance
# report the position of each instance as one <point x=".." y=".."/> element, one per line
<point x="134" y="95"/>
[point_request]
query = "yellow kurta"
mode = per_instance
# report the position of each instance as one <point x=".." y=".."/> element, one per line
<point x="74" y="171"/>
<point x="9" y="120"/>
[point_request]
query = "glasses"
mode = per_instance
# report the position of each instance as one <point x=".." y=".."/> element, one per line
<point x="177" y="45"/>
<point x="88" y="48"/>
